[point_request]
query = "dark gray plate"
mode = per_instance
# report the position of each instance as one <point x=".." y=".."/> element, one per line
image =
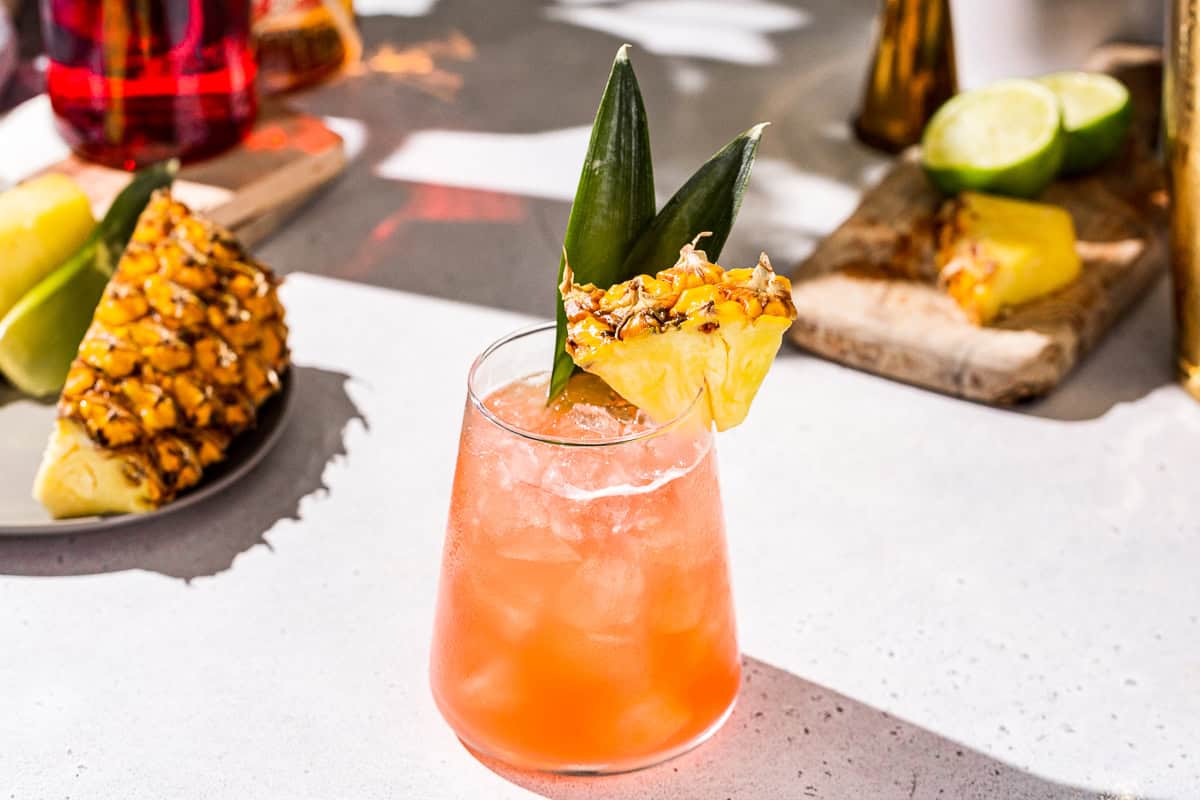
<point x="25" y="426"/>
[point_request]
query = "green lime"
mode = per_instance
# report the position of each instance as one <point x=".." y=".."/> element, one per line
<point x="1096" y="115"/>
<point x="39" y="335"/>
<point x="1006" y="138"/>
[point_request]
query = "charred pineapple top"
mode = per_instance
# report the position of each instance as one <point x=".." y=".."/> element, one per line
<point x="692" y="294"/>
<point x="694" y="330"/>
<point x="187" y="342"/>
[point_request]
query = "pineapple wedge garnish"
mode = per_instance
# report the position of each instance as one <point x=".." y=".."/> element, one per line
<point x="695" y="328"/>
<point x="186" y="344"/>
<point x="994" y="252"/>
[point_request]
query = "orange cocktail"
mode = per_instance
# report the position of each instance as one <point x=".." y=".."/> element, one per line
<point x="584" y="618"/>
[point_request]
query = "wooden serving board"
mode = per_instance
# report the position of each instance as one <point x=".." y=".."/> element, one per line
<point x="867" y="296"/>
<point x="251" y="188"/>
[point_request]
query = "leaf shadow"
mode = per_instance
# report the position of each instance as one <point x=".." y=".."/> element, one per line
<point x="206" y="539"/>
<point x="791" y="738"/>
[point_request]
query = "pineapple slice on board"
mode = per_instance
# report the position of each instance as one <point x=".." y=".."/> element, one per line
<point x="660" y="341"/>
<point x="995" y="252"/>
<point x="187" y="343"/>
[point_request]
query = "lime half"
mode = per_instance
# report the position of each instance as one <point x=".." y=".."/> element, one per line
<point x="40" y="334"/>
<point x="1096" y="115"/>
<point x="1005" y="138"/>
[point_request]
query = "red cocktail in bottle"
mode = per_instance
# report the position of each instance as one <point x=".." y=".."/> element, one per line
<point x="136" y="81"/>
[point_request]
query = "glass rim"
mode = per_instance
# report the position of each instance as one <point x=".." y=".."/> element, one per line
<point x="539" y="327"/>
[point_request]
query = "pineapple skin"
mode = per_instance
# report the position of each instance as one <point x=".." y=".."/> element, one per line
<point x="187" y="342"/>
<point x="997" y="252"/>
<point x="695" y="328"/>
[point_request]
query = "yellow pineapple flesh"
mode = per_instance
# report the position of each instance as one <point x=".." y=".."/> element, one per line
<point x="996" y="252"/>
<point x="692" y="331"/>
<point x="185" y="346"/>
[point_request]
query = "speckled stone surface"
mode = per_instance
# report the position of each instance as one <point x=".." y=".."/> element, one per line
<point x="937" y="599"/>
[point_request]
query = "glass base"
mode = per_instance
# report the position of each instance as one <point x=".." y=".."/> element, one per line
<point x="583" y="770"/>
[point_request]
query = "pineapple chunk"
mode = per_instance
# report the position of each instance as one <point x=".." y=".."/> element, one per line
<point x="187" y="342"/>
<point x="994" y="252"/>
<point x="42" y="222"/>
<point x="660" y="342"/>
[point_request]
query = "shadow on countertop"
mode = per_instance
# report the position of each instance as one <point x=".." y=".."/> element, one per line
<point x="10" y="395"/>
<point x="487" y="70"/>
<point x="790" y="739"/>
<point x="1133" y="360"/>
<point x="205" y="539"/>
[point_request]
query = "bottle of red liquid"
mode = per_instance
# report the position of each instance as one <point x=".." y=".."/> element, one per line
<point x="133" y="82"/>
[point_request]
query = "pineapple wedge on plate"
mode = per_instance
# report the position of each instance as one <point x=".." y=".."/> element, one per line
<point x="660" y="341"/>
<point x="187" y="343"/>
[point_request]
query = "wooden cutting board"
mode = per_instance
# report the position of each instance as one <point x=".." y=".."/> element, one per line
<point x="867" y="296"/>
<point x="251" y="188"/>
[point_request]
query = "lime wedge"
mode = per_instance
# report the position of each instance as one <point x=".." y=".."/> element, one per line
<point x="39" y="335"/>
<point x="1005" y="138"/>
<point x="1096" y="115"/>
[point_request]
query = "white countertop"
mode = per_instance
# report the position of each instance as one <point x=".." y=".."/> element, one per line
<point x="936" y="599"/>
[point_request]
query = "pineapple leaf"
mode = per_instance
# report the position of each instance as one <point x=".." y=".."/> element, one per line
<point x="614" y="202"/>
<point x="709" y="201"/>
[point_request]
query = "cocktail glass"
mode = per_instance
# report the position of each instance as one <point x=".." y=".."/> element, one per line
<point x="585" y="621"/>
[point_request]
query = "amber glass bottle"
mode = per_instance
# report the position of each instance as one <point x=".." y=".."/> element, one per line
<point x="302" y="42"/>
<point x="911" y="73"/>
<point x="1181" y="120"/>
